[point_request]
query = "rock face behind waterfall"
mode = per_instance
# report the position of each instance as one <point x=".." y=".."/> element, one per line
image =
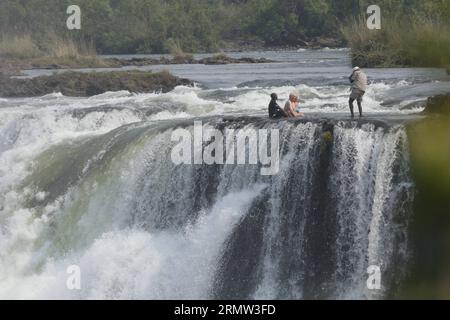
<point x="339" y="204"/>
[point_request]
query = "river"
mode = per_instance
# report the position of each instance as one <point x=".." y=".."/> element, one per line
<point x="89" y="182"/>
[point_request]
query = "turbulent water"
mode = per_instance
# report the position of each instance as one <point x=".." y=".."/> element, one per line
<point x="90" y="182"/>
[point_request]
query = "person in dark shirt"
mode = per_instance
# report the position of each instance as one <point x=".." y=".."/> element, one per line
<point x="275" y="111"/>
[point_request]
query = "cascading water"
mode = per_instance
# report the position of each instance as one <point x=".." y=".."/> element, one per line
<point x="337" y="207"/>
<point x="90" y="182"/>
<point x="140" y="226"/>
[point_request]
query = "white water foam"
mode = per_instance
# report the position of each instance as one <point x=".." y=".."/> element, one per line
<point x="134" y="264"/>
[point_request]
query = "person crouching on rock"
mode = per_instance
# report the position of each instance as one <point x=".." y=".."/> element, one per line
<point x="275" y="111"/>
<point x="291" y="106"/>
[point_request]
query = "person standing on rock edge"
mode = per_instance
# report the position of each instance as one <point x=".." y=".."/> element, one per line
<point x="358" y="79"/>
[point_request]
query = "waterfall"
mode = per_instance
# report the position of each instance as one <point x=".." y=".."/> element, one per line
<point x="140" y="226"/>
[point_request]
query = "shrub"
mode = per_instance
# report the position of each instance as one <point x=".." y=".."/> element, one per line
<point x="400" y="42"/>
<point x="49" y="46"/>
<point x="19" y="47"/>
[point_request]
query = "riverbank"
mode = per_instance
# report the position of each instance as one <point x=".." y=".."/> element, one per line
<point x="89" y="84"/>
<point x="13" y="67"/>
<point x="259" y="45"/>
<point x="409" y="42"/>
<point x="217" y="59"/>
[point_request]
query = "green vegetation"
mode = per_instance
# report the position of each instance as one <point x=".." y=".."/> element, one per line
<point x="19" y="52"/>
<point x="413" y="33"/>
<point x="430" y="229"/>
<point x="425" y="43"/>
<point x="326" y="140"/>
<point x="154" y="26"/>
<point x="20" y="47"/>
<point x="50" y="50"/>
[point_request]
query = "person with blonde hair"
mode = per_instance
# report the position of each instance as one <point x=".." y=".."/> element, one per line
<point x="291" y="106"/>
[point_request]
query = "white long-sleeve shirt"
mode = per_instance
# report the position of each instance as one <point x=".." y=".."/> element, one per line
<point x="359" y="80"/>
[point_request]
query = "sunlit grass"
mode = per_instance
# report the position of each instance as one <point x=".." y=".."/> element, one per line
<point x="400" y="42"/>
<point x="19" y="47"/>
<point x="24" y="46"/>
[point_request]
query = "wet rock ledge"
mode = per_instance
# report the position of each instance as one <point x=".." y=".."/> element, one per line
<point x="219" y="59"/>
<point x="89" y="84"/>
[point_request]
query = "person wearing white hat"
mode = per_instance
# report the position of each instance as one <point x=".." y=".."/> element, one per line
<point x="358" y="79"/>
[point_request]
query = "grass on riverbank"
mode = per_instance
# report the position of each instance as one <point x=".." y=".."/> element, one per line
<point x="24" y="46"/>
<point x="18" y="47"/>
<point x="18" y="52"/>
<point x="23" y="51"/>
<point x="401" y="42"/>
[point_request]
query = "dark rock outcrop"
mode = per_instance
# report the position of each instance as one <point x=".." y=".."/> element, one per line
<point x="89" y="84"/>
<point x="185" y="59"/>
<point x="438" y="105"/>
<point x="13" y="67"/>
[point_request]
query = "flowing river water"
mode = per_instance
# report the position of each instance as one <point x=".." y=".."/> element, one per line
<point x="90" y="182"/>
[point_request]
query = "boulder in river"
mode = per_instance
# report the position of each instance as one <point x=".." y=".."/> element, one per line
<point x="90" y="84"/>
<point x="438" y="105"/>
